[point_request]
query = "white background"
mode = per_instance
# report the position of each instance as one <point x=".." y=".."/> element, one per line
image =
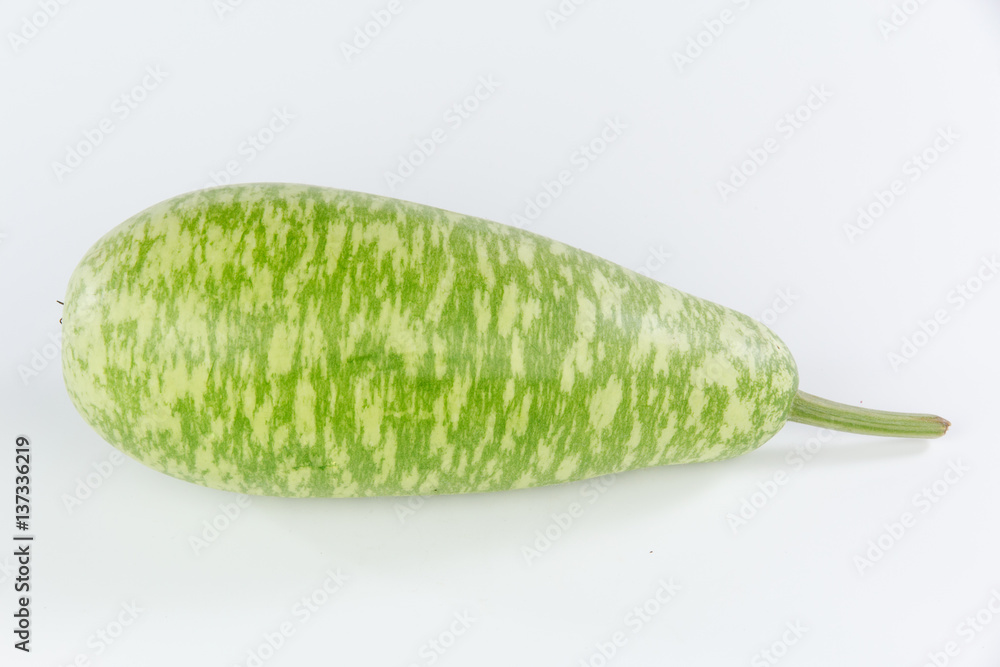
<point x="780" y="239"/>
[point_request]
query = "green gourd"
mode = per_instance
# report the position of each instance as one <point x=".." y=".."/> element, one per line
<point x="291" y="340"/>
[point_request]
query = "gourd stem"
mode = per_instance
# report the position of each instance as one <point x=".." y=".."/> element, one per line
<point x="816" y="411"/>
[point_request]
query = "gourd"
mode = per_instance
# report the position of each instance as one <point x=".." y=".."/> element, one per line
<point x="293" y="340"/>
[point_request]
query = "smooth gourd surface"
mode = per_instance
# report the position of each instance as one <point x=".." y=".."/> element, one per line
<point x="304" y="341"/>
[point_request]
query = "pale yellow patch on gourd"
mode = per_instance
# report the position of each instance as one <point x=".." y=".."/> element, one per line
<point x="334" y="246"/>
<point x="604" y="404"/>
<point x="508" y="392"/>
<point x="507" y="314"/>
<point x="643" y="345"/>
<point x="671" y="301"/>
<point x="437" y="232"/>
<point x="204" y="463"/>
<point x="715" y="369"/>
<point x="172" y="249"/>
<point x="177" y="382"/>
<point x="350" y="489"/>
<point x="307" y="206"/>
<point x="297" y="481"/>
<point x="279" y="354"/>
<point x="246" y="259"/>
<point x="736" y="416"/>
<point x="431" y="483"/>
<point x="531" y="309"/>
<point x="608" y="296"/>
<point x="260" y="417"/>
<point x="385" y="456"/>
<point x="526" y="480"/>
<point x="281" y="433"/>
<point x="666" y="434"/>
<point x="305" y="412"/>
<point x="696" y="403"/>
<point x="208" y="468"/>
<point x="463" y="464"/>
<point x="437" y="439"/>
<point x="338" y="460"/>
<point x="369" y="411"/>
<point x="517" y="355"/>
<point x="409" y="479"/>
<point x="484" y="264"/>
<point x="93" y="350"/>
<point x="567" y="467"/>
<point x="219" y="248"/>
<point x="404" y="336"/>
<point x="526" y="253"/>
<point x="568" y="375"/>
<point x="440" y="347"/>
<point x="355" y="329"/>
<point x="631" y="446"/>
<point x="457" y="397"/>
<point x="345" y="297"/>
<point x="481" y="306"/>
<point x="507" y="443"/>
<point x="578" y="359"/>
<point x="711" y="452"/>
<point x="733" y="335"/>
<point x="260" y="291"/>
<point x="519" y="420"/>
<point x="491" y="422"/>
<point x="312" y="340"/>
<point x="441" y="294"/>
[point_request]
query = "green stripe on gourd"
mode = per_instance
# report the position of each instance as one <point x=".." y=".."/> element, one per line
<point x="303" y="341"/>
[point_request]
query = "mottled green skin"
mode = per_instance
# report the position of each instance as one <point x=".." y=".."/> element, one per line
<point x="302" y="341"/>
